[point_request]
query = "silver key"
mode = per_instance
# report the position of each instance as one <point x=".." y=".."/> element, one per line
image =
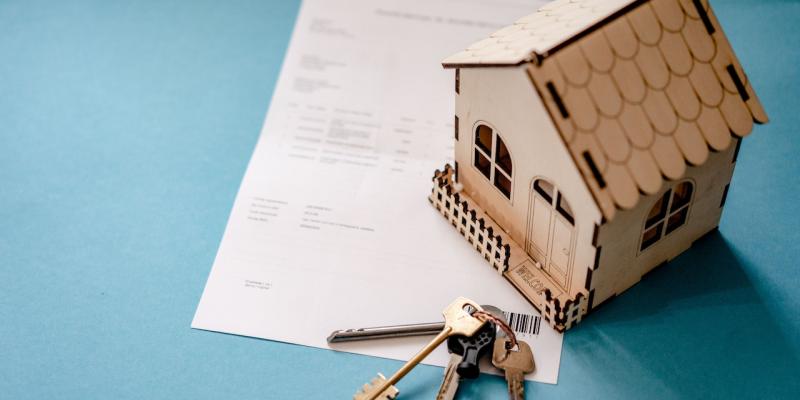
<point x="450" y="381"/>
<point x="396" y="331"/>
<point x="385" y="332"/>
<point x="516" y="363"/>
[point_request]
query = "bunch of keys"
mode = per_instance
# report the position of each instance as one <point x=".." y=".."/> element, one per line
<point x="470" y="332"/>
<point x="515" y="358"/>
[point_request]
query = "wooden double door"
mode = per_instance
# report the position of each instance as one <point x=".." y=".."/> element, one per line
<point x="551" y="231"/>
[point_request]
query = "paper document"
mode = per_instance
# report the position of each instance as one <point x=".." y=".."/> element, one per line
<point x="331" y="228"/>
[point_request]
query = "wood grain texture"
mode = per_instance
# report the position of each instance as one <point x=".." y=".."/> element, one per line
<point x="653" y="67"/>
<point x="612" y="140"/>
<point x="683" y="98"/>
<point x="670" y="14"/>
<point x="676" y="53"/>
<point x="668" y="157"/>
<point x="736" y="115"/>
<point x="623" y="41"/>
<point x="629" y="81"/>
<point x="645" y="24"/>
<point x="714" y="128"/>
<point x="691" y="142"/>
<point x="622" y="187"/>
<point x="605" y="94"/>
<point x="706" y="84"/>
<point x="636" y="126"/>
<point x="644" y="170"/>
<point x="598" y="51"/>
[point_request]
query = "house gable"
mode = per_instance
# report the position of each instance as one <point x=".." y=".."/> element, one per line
<point x="505" y="100"/>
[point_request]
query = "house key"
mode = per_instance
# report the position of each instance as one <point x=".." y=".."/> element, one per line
<point x="457" y="321"/>
<point x="465" y="351"/>
<point x="515" y="363"/>
<point x="397" y="331"/>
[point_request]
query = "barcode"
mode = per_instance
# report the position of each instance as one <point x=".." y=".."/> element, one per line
<point x="523" y="323"/>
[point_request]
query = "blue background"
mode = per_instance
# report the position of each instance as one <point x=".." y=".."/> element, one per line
<point x="126" y="127"/>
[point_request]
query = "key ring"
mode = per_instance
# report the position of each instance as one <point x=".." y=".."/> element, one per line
<point x="484" y="316"/>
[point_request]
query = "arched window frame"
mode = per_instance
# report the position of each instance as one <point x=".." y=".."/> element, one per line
<point x="668" y="214"/>
<point x="548" y="191"/>
<point x="492" y="158"/>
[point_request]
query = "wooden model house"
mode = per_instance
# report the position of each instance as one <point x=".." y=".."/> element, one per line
<point x="594" y="141"/>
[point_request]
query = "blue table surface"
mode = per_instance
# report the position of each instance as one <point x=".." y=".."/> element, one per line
<point x="126" y="127"/>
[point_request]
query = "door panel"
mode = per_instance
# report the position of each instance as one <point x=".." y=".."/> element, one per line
<point x="560" y="249"/>
<point x="540" y="229"/>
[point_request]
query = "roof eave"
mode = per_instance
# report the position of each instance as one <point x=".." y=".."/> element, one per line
<point x="479" y="65"/>
<point x="534" y="57"/>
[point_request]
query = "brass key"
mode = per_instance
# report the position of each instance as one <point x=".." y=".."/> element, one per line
<point x="516" y="363"/>
<point x="457" y="321"/>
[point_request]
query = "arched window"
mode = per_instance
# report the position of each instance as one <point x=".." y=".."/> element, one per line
<point x="668" y="214"/>
<point x="492" y="158"/>
<point x="556" y="200"/>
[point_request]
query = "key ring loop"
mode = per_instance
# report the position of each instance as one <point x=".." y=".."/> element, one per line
<point x="484" y="316"/>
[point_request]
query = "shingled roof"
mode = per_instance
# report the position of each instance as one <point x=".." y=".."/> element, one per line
<point x="637" y="89"/>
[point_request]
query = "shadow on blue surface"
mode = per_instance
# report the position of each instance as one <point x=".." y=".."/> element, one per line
<point x="736" y="348"/>
<point x="710" y="266"/>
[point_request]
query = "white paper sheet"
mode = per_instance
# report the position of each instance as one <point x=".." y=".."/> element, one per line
<point x="331" y="228"/>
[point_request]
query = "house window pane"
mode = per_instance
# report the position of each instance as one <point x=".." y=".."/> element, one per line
<point x="676" y="220"/>
<point x="564" y="210"/>
<point x="502" y="157"/>
<point x="669" y="213"/>
<point x="483" y="164"/>
<point x="545" y="189"/>
<point x="492" y="159"/>
<point x="659" y="210"/>
<point x="682" y="195"/>
<point x="503" y="183"/>
<point x="483" y="139"/>
<point x="652" y="235"/>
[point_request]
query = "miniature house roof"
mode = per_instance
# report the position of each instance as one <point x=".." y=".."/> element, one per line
<point x="637" y="89"/>
<point x="538" y="33"/>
